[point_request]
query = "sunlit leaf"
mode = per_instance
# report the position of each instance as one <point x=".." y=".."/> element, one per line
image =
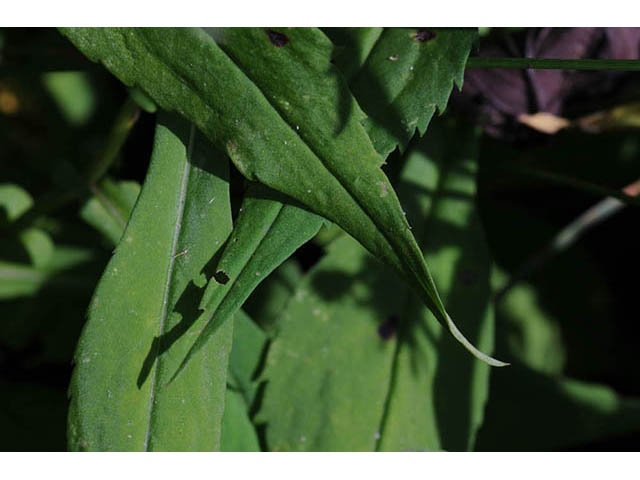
<point x="144" y="311"/>
<point x="358" y="362"/>
<point x="281" y="111"/>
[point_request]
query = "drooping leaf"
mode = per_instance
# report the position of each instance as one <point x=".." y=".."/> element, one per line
<point x="143" y="312"/>
<point x="359" y="363"/>
<point x="274" y="103"/>
<point x="407" y="75"/>
<point x="109" y="208"/>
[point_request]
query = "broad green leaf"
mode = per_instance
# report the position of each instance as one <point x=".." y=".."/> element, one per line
<point x="407" y="75"/>
<point x="109" y="208"/>
<point x="439" y="185"/>
<point x="274" y="103"/>
<point x="143" y="312"/>
<point x="359" y="363"/>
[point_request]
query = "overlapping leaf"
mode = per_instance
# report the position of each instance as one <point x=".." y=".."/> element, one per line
<point x="144" y="308"/>
<point x="275" y="104"/>
<point x="358" y="362"/>
<point x="407" y="75"/>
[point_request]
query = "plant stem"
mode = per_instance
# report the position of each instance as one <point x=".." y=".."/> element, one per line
<point x="120" y="130"/>
<point x="568" y="236"/>
<point x="554" y="63"/>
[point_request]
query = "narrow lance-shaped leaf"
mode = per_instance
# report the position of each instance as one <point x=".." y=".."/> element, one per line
<point x="267" y="232"/>
<point x="285" y="117"/>
<point x="143" y="308"/>
<point x="384" y="374"/>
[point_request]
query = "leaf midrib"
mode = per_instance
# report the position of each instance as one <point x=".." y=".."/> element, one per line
<point x="398" y="258"/>
<point x="165" y="301"/>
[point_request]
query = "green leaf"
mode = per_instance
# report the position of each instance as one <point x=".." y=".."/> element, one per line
<point x="31" y="259"/>
<point x="73" y="94"/>
<point x="407" y="75"/>
<point x="109" y="208"/>
<point x="249" y="342"/>
<point x="270" y="297"/>
<point x="359" y="363"/>
<point x="266" y="233"/>
<point x="14" y="200"/>
<point x="353" y="45"/>
<point x="238" y="434"/>
<point x="20" y="279"/>
<point x="143" y="312"/>
<point x="276" y="105"/>
<point x="532" y="336"/>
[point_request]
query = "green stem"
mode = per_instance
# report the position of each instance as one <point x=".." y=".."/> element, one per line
<point x="120" y="130"/>
<point x="554" y="63"/>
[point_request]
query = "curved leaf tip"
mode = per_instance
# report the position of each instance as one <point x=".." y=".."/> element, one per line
<point x="473" y="350"/>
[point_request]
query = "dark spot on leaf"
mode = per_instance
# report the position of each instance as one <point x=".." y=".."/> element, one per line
<point x="424" y="35"/>
<point x="221" y="277"/>
<point x="468" y="277"/>
<point x="389" y="327"/>
<point x="277" y="38"/>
